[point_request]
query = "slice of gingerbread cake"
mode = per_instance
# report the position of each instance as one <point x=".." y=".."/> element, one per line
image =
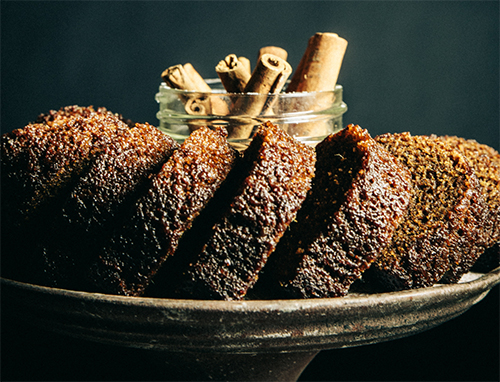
<point x="359" y="195"/>
<point x="99" y="202"/>
<point x="41" y="159"/>
<point x="486" y="163"/>
<point x="223" y="257"/>
<point x="444" y="219"/>
<point x="176" y="196"/>
<point x="116" y="177"/>
<point x="40" y="164"/>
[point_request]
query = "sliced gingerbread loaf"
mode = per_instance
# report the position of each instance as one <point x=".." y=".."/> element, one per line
<point x="68" y="112"/>
<point x="359" y="195"/>
<point x="40" y="160"/>
<point x="486" y="163"/>
<point x="40" y="164"/>
<point x="223" y="256"/>
<point x="444" y="219"/>
<point x="116" y="177"/>
<point x="99" y="202"/>
<point x="177" y="195"/>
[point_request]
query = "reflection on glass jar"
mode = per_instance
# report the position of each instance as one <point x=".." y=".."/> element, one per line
<point x="307" y="116"/>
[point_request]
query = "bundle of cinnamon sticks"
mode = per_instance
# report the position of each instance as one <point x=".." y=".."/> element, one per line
<point x="318" y="70"/>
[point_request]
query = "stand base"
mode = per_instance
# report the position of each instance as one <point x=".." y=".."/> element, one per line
<point x="238" y="367"/>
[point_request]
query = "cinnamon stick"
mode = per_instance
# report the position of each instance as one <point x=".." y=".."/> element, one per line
<point x="319" y="67"/>
<point x="213" y="104"/>
<point x="268" y="77"/>
<point x="186" y="77"/>
<point x="233" y="74"/>
<point x="318" y="71"/>
<point x="177" y="78"/>
<point x="276" y="50"/>
<point x="246" y="63"/>
<point x="198" y="106"/>
<point x="198" y="82"/>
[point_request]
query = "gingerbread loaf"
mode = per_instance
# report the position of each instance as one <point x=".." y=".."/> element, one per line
<point x="99" y="202"/>
<point x="176" y="196"/>
<point x="40" y="164"/>
<point x="443" y="223"/>
<point x="225" y="255"/>
<point x="39" y="160"/>
<point x="486" y="163"/>
<point x="359" y="195"/>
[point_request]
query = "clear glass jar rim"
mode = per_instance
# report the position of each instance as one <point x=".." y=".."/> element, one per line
<point x="217" y="81"/>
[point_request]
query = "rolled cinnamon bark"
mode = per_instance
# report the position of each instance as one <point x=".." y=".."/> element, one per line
<point x="246" y="63"/>
<point x="319" y="67"/>
<point x="213" y="104"/>
<point x="268" y="77"/>
<point x="318" y="71"/>
<point x="177" y="78"/>
<point x="186" y="77"/>
<point x="276" y="50"/>
<point x="198" y="82"/>
<point x="233" y="74"/>
<point x="198" y="106"/>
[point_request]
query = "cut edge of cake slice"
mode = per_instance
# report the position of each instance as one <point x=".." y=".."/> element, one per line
<point x="255" y="208"/>
<point x="359" y="195"/>
<point x="177" y="195"/>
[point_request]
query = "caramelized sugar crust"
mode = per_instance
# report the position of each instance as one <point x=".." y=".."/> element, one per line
<point x="177" y="195"/>
<point x="359" y="195"/>
<point x="269" y="189"/>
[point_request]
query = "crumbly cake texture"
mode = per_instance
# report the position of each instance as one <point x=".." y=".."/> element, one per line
<point x="359" y="195"/>
<point x="263" y="198"/>
<point x="72" y="111"/>
<point x="117" y="176"/>
<point x="100" y="201"/>
<point x="40" y="164"/>
<point x="442" y="226"/>
<point x="177" y="195"/>
<point x="40" y="160"/>
<point x="486" y="163"/>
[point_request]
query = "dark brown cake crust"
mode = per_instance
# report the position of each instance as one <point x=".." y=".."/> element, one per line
<point x="68" y="112"/>
<point x="42" y="159"/>
<point x="40" y="165"/>
<point x="99" y="202"/>
<point x="177" y="195"/>
<point x="359" y="194"/>
<point x="277" y="175"/>
<point x="441" y="227"/>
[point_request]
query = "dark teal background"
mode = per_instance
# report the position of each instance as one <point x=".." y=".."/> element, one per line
<point x="419" y="66"/>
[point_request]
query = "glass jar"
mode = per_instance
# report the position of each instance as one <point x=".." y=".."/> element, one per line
<point x="307" y="116"/>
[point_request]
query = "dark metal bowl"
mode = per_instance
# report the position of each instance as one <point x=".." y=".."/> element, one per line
<point x="233" y="336"/>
